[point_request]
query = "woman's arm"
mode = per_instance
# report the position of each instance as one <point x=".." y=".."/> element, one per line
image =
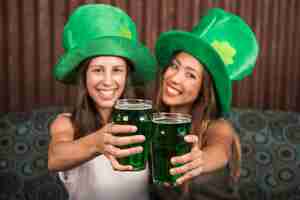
<point x="215" y="153"/>
<point x="64" y="152"/>
<point x="218" y="146"/>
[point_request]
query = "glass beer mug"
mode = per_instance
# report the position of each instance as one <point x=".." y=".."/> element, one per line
<point x="169" y="130"/>
<point x="136" y="112"/>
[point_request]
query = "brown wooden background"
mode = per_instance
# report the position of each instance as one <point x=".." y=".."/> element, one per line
<point x="30" y="35"/>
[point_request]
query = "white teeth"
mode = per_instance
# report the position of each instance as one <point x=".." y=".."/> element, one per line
<point x="172" y="91"/>
<point x="106" y="93"/>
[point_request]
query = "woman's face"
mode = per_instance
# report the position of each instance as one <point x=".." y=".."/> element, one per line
<point x="106" y="79"/>
<point x="182" y="81"/>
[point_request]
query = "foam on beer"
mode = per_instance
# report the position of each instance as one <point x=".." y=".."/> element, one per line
<point x="134" y="105"/>
<point x="169" y="120"/>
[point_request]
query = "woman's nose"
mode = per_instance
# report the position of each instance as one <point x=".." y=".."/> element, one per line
<point x="176" y="77"/>
<point x="107" y="79"/>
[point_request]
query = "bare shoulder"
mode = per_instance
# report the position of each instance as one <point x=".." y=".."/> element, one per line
<point x="222" y="124"/>
<point x="62" y="126"/>
<point x="61" y="122"/>
<point x="221" y="127"/>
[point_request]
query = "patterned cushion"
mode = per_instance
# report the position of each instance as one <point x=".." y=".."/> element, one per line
<point x="23" y="157"/>
<point x="270" y="145"/>
<point x="271" y="154"/>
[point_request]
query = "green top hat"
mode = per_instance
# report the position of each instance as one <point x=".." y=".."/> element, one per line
<point x="221" y="41"/>
<point x="98" y="29"/>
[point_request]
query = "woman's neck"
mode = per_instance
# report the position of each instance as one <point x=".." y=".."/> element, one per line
<point x="105" y="114"/>
<point x="181" y="109"/>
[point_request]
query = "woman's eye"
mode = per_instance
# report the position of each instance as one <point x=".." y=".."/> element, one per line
<point x="97" y="70"/>
<point x="118" y="70"/>
<point x="190" y="75"/>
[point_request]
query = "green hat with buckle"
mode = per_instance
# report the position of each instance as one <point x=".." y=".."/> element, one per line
<point x="222" y="42"/>
<point x="99" y="29"/>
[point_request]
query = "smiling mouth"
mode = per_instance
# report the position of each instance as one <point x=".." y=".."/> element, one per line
<point x="172" y="91"/>
<point x="106" y="94"/>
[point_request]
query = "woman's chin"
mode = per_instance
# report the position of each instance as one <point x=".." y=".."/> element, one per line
<point x="108" y="103"/>
<point x="170" y="101"/>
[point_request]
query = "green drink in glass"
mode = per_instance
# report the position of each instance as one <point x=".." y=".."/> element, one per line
<point x="136" y="112"/>
<point x="168" y="141"/>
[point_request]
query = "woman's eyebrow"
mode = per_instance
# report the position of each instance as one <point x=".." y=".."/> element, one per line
<point x="98" y="65"/>
<point x="119" y="65"/>
<point x="177" y="62"/>
<point x="190" y="68"/>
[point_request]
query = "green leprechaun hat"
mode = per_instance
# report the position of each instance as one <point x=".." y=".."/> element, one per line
<point x="98" y="29"/>
<point x="221" y="41"/>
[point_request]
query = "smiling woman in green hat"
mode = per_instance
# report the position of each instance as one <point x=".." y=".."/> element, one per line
<point x="197" y="70"/>
<point x="103" y="57"/>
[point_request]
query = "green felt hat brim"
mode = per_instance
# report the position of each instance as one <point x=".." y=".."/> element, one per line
<point x="176" y="41"/>
<point x="143" y="62"/>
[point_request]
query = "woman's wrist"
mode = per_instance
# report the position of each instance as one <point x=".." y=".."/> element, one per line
<point x="99" y="143"/>
<point x="91" y="144"/>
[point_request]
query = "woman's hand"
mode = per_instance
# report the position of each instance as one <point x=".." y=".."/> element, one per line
<point x="192" y="162"/>
<point x="111" y="141"/>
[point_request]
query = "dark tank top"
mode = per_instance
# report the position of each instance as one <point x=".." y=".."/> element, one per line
<point x="211" y="186"/>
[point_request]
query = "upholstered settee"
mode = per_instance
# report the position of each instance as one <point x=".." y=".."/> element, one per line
<point x="271" y="154"/>
<point x="270" y="146"/>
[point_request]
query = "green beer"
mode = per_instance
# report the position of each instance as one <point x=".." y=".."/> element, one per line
<point x="167" y="142"/>
<point x="136" y="112"/>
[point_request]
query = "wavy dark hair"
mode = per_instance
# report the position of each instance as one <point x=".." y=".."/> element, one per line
<point x="205" y="110"/>
<point x="85" y="117"/>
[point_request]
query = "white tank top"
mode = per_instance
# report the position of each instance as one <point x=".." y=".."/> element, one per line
<point x="96" y="180"/>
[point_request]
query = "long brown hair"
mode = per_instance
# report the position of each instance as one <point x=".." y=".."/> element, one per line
<point x="205" y="110"/>
<point x="85" y="117"/>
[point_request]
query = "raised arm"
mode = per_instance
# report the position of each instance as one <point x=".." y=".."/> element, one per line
<point x="215" y="153"/>
<point x="218" y="148"/>
<point x="65" y="152"/>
